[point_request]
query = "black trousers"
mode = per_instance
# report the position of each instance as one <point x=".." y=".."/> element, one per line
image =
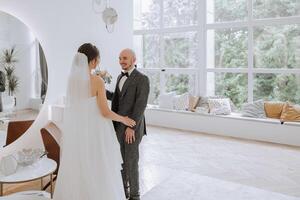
<point x="130" y="171"/>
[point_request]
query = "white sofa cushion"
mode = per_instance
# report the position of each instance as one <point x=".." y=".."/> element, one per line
<point x="181" y="102"/>
<point x="255" y="109"/>
<point x="219" y="106"/>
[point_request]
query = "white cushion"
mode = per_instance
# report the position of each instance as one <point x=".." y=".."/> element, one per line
<point x="203" y="102"/>
<point x="202" y="110"/>
<point x="166" y="100"/>
<point x="219" y="106"/>
<point x="181" y="102"/>
<point x="255" y="109"/>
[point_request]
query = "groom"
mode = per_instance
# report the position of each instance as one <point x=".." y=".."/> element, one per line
<point x="130" y="99"/>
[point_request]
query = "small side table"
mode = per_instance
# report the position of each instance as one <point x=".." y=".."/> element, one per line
<point x="43" y="168"/>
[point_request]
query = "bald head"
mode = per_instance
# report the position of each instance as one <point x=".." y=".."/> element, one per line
<point x="128" y="52"/>
<point x="127" y="59"/>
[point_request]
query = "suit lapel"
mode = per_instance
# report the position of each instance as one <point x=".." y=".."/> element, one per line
<point x="118" y="80"/>
<point x="127" y="82"/>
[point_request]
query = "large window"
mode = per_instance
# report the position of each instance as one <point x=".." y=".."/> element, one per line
<point x="242" y="49"/>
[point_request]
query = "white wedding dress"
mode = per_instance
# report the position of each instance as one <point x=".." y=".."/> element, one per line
<point x="90" y="154"/>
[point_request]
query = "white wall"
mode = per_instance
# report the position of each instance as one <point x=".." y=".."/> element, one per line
<point x="61" y="26"/>
<point x="3" y="30"/>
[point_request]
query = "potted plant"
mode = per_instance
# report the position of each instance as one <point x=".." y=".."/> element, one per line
<point x="8" y="57"/>
<point x="12" y="80"/>
<point x="8" y="61"/>
<point x="13" y="84"/>
<point x="2" y="88"/>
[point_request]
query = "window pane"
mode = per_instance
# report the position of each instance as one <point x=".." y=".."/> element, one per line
<point x="180" y="83"/>
<point x="277" y="46"/>
<point x="147" y="50"/>
<point x="231" y="85"/>
<point x="180" y="50"/>
<point x="180" y="12"/>
<point x="275" y="8"/>
<point x="154" y="78"/>
<point x="229" y="10"/>
<point x="227" y="48"/>
<point x="277" y="87"/>
<point x="146" y="14"/>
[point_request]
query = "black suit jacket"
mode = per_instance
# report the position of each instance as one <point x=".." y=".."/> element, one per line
<point x="131" y="101"/>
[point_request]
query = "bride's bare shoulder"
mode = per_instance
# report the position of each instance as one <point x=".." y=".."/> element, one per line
<point x="97" y="80"/>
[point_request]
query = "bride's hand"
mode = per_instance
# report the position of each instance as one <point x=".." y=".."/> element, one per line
<point x="128" y="122"/>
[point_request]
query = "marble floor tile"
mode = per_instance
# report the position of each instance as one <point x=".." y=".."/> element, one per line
<point x="183" y="185"/>
<point x="239" y="169"/>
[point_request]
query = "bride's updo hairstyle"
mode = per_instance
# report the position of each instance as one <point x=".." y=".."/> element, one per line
<point x="90" y="51"/>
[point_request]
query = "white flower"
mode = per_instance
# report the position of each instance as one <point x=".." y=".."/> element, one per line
<point x="103" y="74"/>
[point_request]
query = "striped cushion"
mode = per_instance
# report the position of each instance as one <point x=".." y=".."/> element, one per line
<point x="255" y="109"/>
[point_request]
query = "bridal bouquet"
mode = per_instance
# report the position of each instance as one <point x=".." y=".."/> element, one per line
<point x="104" y="75"/>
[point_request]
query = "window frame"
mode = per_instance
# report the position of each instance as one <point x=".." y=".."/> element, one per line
<point x="202" y="69"/>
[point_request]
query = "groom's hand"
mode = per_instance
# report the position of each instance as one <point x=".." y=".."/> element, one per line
<point x="129" y="135"/>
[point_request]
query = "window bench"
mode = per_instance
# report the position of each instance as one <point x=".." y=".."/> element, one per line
<point x="234" y="125"/>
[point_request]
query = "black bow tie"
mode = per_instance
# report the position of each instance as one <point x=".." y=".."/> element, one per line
<point x="125" y="74"/>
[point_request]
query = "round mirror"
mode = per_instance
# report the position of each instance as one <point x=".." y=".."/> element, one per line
<point x="23" y="78"/>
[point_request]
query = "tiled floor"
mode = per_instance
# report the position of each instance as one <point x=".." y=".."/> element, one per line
<point x="178" y="165"/>
<point x="185" y="165"/>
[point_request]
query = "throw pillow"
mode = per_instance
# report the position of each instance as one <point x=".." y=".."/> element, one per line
<point x="203" y="102"/>
<point x="202" y="110"/>
<point x="255" y="109"/>
<point x="193" y="102"/>
<point x="274" y="109"/>
<point x="290" y="113"/>
<point x="181" y="102"/>
<point x="219" y="106"/>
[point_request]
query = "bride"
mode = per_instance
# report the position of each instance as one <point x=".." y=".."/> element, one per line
<point x="91" y="159"/>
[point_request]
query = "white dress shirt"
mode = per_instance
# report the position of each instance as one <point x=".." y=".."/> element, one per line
<point x="124" y="78"/>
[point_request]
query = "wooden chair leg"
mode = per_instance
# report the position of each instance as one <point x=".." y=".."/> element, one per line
<point x="49" y="183"/>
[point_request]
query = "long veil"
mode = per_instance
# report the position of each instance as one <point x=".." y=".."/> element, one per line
<point x="90" y="154"/>
<point x="74" y="145"/>
<point x="78" y="89"/>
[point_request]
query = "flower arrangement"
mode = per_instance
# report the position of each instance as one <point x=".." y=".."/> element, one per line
<point x="104" y="75"/>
